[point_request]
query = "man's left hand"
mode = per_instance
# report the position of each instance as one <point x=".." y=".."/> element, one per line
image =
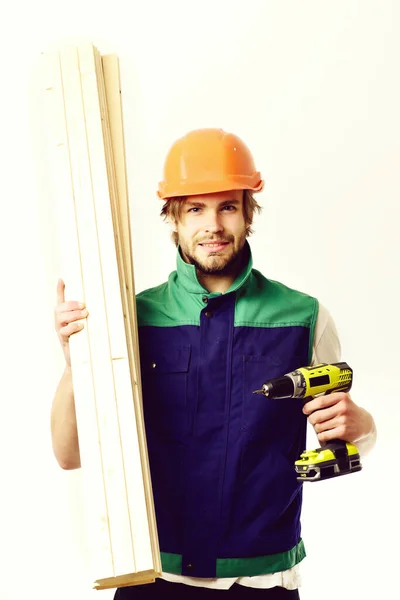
<point x="336" y="416"/>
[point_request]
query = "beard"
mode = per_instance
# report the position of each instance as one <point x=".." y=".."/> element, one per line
<point x="216" y="263"/>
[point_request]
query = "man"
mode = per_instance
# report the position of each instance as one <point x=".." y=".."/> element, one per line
<point x="227" y="500"/>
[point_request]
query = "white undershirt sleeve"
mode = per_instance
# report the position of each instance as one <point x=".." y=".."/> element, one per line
<point x="326" y="346"/>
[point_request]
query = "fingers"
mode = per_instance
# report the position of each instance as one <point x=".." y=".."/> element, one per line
<point x="70" y="329"/>
<point x="337" y="433"/>
<point x="69" y="306"/>
<point x="69" y="312"/>
<point x="324" y="401"/>
<point x="335" y="416"/>
<point x="319" y="416"/>
<point x="329" y="424"/>
<point x="66" y="317"/>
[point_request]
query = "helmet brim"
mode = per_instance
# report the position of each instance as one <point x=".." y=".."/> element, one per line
<point x="253" y="183"/>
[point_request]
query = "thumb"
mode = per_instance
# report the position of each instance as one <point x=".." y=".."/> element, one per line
<point x="60" y="291"/>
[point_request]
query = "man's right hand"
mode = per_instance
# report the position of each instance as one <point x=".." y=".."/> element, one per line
<point x="68" y="319"/>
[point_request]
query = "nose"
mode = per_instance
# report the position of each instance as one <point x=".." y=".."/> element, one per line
<point x="214" y="222"/>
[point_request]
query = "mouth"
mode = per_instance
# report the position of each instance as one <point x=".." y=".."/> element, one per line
<point x="214" y="246"/>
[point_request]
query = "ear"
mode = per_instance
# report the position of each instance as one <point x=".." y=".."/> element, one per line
<point x="173" y="225"/>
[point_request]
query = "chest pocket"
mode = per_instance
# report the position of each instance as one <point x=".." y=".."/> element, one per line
<point x="165" y="374"/>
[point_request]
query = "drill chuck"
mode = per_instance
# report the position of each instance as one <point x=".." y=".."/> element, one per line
<point x="281" y="387"/>
<point x="290" y="385"/>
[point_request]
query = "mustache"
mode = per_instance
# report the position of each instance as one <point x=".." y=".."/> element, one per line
<point x="229" y="238"/>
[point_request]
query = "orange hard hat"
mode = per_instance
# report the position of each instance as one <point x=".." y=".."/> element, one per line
<point x="207" y="161"/>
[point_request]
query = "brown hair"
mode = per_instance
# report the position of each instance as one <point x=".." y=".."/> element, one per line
<point x="172" y="211"/>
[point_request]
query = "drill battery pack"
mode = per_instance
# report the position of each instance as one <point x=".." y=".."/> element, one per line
<point x="334" y="459"/>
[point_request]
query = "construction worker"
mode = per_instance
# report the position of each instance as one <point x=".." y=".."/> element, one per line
<point x="227" y="500"/>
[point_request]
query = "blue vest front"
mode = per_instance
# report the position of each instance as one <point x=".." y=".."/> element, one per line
<point x="222" y="459"/>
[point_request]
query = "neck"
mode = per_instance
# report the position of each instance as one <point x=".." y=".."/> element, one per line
<point x="215" y="283"/>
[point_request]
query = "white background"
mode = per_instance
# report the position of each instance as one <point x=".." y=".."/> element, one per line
<point x="313" y="89"/>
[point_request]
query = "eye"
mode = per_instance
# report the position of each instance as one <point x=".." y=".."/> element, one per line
<point x="194" y="209"/>
<point x="229" y="208"/>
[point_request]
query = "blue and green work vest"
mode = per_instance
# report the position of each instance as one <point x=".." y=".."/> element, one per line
<point x="226" y="496"/>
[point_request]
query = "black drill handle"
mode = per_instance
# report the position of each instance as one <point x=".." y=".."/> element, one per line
<point x="339" y="449"/>
<point x="335" y="444"/>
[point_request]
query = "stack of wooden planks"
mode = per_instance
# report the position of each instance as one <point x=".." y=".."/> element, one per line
<point x="83" y="113"/>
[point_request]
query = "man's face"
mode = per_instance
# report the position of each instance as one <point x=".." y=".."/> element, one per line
<point x="212" y="230"/>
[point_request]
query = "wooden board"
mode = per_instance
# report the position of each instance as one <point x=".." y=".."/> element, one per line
<point x="71" y="271"/>
<point x="114" y="134"/>
<point x="85" y="117"/>
<point x="122" y="229"/>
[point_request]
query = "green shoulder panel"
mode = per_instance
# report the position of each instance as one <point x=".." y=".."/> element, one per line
<point x="264" y="302"/>
<point x="168" y="305"/>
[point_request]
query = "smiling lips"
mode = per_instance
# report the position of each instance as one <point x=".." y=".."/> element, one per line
<point x="214" y="246"/>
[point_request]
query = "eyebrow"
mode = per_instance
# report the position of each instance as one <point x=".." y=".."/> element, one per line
<point x="202" y="204"/>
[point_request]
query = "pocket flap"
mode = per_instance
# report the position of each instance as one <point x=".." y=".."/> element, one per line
<point x="171" y="359"/>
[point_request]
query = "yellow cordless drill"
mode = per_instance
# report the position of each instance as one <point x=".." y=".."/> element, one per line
<point x="335" y="457"/>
